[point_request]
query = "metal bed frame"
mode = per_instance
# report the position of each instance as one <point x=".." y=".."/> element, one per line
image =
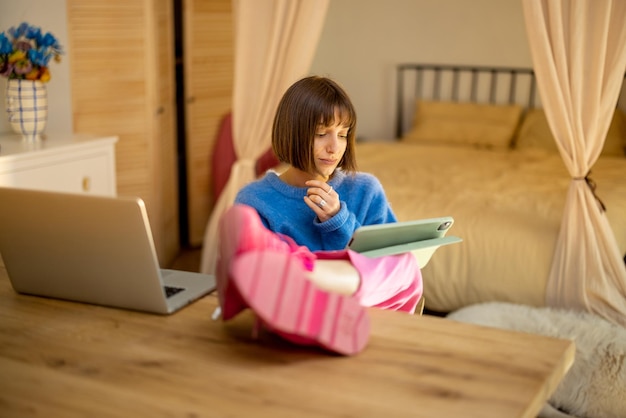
<point x="476" y="84"/>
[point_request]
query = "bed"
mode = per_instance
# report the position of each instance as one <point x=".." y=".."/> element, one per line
<point x="473" y="143"/>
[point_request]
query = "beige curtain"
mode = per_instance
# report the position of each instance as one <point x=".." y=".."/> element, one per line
<point x="275" y="41"/>
<point x="578" y="49"/>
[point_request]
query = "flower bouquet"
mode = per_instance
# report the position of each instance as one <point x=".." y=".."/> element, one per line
<point x="25" y="53"/>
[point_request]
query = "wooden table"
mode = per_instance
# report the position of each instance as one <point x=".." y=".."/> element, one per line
<point x="64" y="359"/>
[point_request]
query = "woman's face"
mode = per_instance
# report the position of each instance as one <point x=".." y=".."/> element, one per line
<point x="329" y="146"/>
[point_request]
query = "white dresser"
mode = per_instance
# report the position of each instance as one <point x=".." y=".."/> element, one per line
<point x="64" y="163"/>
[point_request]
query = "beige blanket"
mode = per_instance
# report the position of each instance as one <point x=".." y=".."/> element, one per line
<point x="507" y="207"/>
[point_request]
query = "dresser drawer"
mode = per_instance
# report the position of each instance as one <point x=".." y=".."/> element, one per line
<point x="74" y="165"/>
<point x="88" y="175"/>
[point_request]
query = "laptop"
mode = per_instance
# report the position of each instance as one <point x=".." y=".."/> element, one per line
<point x="422" y="237"/>
<point x="91" y="249"/>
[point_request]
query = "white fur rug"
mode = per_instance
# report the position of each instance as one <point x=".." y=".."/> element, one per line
<point x="595" y="386"/>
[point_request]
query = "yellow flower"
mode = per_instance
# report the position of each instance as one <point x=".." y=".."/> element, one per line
<point x="32" y="74"/>
<point x="44" y="76"/>
<point x="17" y="56"/>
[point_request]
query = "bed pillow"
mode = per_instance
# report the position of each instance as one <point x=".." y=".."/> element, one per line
<point x="535" y="133"/>
<point x="461" y="123"/>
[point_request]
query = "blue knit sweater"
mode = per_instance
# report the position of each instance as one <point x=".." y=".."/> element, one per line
<point x="282" y="209"/>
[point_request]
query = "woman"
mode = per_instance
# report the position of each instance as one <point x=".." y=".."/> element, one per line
<point x="308" y="213"/>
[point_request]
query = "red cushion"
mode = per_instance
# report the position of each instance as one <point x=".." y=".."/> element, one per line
<point x="224" y="157"/>
<point x="265" y="162"/>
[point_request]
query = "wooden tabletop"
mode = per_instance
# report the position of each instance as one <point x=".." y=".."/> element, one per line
<point x="64" y="359"/>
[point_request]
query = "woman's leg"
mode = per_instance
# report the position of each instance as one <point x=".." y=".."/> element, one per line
<point x="268" y="273"/>
<point x="337" y="276"/>
<point x="286" y="285"/>
<point x="241" y="231"/>
<point x="276" y="287"/>
<point x="390" y="282"/>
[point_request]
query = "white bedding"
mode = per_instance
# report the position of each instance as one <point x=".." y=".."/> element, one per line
<point x="507" y="206"/>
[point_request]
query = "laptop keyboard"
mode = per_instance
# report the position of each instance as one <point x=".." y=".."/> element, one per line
<point x="171" y="290"/>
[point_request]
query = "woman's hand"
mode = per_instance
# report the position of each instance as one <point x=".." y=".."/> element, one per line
<point x="322" y="199"/>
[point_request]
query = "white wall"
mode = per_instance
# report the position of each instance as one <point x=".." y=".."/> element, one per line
<point x="361" y="43"/>
<point x="363" y="40"/>
<point x="51" y="16"/>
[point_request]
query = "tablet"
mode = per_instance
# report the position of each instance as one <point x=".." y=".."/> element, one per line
<point x="421" y="237"/>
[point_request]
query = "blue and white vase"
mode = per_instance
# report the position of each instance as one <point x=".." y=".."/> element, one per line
<point x="27" y="106"/>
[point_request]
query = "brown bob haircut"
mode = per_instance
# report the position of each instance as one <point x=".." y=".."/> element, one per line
<point x="305" y="105"/>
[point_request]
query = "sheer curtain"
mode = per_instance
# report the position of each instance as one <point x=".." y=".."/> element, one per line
<point x="275" y="41"/>
<point x="578" y="49"/>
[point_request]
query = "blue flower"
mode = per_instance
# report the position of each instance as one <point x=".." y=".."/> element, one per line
<point x="6" y="47"/>
<point x="33" y="32"/>
<point x="48" y="40"/>
<point x="38" y="57"/>
<point x="22" y="29"/>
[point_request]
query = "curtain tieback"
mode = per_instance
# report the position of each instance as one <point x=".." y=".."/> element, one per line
<point x="592" y="187"/>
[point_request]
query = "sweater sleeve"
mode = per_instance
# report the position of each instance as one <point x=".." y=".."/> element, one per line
<point x="363" y="202"/>
<point x="377" y="206"/>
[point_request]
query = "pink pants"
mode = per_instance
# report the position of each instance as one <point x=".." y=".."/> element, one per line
<point x="390" y="282"/>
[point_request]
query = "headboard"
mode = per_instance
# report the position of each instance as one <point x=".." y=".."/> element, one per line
<point x="476" y="84"/>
